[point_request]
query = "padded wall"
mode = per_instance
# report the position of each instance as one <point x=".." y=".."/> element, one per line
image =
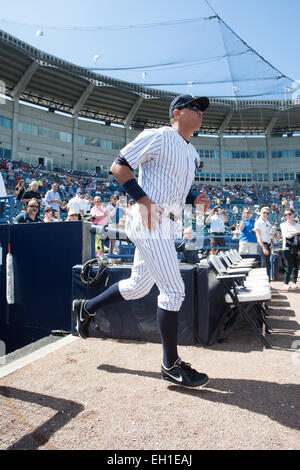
<point x="136" y="319"/>
<point x="44" y="255"/>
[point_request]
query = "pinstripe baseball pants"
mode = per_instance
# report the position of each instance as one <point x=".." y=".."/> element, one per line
<point x="155" y="261"/>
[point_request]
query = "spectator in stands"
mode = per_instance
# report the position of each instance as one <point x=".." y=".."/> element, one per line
<point x="48" y="215"/>
<point x="217" y="219"/>
<point x="87" y="202"/>
<point x="99" y="213"/>
<point x="283" y="203"/>
<point x="235" y="236"/>
<point x="263" y="230"/>
<point x="19" y="192"/>
<point x="64" y="207"/>
<point x="248" y="240"/>
<point x="73" y="215"/>
<point x="11" y="179"/>
<point x="62" y="189"/>
<point x="31" y="214"/>
<point x="52" y="198"/>
<point x="32" y="193"/>
<point x="114" y="208"/>
<point x="76" y="203"/>
<point x="114" y="216"/>
<point x="235" y="209"/>
<point x="289" y="230"/>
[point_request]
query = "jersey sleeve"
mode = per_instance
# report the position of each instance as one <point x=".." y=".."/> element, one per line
<point x="197" y="162"/>
<point x="146" y="146"/>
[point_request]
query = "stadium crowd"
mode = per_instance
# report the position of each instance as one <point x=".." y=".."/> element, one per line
<point x="63" y="195"/>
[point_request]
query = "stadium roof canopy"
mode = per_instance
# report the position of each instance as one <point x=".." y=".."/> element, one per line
<point x="43" y="79"/>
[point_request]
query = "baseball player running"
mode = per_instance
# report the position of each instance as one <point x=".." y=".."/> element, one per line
<point x="167" y="162"/>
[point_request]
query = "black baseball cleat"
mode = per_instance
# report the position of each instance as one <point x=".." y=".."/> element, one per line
<point x="182" y="374"/>
<point x="83" y="317"/>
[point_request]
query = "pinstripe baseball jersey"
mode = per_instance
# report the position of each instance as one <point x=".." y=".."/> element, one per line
<point x="167" y="165"/>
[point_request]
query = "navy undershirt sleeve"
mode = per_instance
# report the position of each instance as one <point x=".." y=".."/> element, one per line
<point x="120" y="160"/>
<point x="191" y="197"/>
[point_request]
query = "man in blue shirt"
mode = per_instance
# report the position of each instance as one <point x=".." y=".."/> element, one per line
<point x="53" y="198"/>
<point x="31" y="215"/>
<point x="248" y="241"/>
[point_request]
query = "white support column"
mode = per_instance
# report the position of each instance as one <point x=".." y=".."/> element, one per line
<point x="221" y="130"/>
<point x="75" y="142"/>
<point x="14" y="130"/>
<point x="17" y="91"/>
<point x="269" y="155"/>
<point x="269" y="146"/>
<point x="221" y="149"/>
<point x="75" y="110"/>
<point x="127" y="135"/>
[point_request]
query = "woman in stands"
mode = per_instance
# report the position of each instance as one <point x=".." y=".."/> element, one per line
<point x="290" y="229"/>
<point x="73" y="216"/>
<point x="19" y="191"/>
<point x="99" y="213"/>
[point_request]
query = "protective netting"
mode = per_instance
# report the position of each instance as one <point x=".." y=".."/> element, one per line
<point x="203" y="56"/>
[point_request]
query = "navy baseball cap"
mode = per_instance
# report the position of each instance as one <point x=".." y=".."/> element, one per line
<point x="183" y="100"/>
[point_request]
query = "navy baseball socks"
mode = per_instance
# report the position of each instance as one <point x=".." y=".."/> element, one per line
<point x="173" y="369"/>
<point x="167" y="321"/>
<point x="85" y="310"/>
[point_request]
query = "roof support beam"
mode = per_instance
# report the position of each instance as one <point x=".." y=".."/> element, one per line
<point x="82" y="100"/>
<point x="225" y="123"/>
<point x="23" y="82"/>
<point x="133" y="111"/>
<point x="271" y="125"/>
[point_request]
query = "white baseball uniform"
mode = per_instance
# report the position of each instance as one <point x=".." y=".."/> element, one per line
<point x="167" y="168"/>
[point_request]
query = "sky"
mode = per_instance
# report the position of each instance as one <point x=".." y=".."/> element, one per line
<point x="270" y="27"/>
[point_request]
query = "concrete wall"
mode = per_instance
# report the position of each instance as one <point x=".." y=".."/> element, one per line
<point x="31" y="147"/>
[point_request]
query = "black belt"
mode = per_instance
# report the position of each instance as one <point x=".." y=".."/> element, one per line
<point x="217" y="233"/>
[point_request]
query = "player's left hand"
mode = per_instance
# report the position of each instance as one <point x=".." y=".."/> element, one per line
<point x="202" y="200"/>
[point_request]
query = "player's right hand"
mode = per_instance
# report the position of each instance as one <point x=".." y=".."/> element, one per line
<point x="150" y="213"/>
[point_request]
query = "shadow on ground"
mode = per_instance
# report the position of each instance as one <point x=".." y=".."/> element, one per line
<point x="277" y="401"/>
<point x="66" y="410"/>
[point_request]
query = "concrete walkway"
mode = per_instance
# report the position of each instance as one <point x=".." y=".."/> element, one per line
<point x="107" y="394"/>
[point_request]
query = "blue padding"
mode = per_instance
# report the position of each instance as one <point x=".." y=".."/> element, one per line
<point x="136" y="319"/>
<point x="44" y="255"/>
<point x="210" y="308"/>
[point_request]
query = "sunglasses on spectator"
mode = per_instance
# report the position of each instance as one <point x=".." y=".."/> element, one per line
<point x="266" y="213"/>
<point x="33" y="205"/>
<point x="289" y="213"/>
